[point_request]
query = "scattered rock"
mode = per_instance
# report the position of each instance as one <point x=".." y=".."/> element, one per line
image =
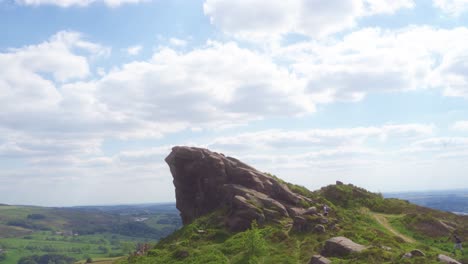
<point x="300" y="224"/>
<point x="407" y="255"/>
<point x="386" y="248"/>
<point x="447" y="259"/>
<point x="339" y="183"/>
<point x="318" y="259"/>
<point x="417" y="253"/>
<point x="319" y="229"/>
<point x="324" y="220"/>
<point x="206" y="181"/>
<point x="341" y="246"/>
<point x="311" y="211"/>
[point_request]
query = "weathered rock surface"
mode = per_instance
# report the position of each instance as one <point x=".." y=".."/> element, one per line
<point x="206" y="181"/>
<point x="447" y="259"/>
<point x="318" y="259"/>
<point x="417" y="253"/>
<point x="340" y="247"/>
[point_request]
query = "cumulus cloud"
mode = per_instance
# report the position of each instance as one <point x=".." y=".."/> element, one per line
<point x="452" y="7"/>
<point x="260" y="19"/>
<point x="217" y="84"/>
<point x="69" y="3"/>
<point x="24" y="82"/>
<point x="377" y="60"/>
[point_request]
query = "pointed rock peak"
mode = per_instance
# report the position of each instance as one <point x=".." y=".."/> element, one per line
<point x="206" y="181"/>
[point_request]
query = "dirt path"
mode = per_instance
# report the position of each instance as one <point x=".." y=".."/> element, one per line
<point x="381" y="219"/>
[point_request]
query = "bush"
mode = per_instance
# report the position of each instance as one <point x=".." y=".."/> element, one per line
<point x="36" y="216"/>
<point x="254" y="243"/>
<point x="2" y="256"/>
<point x="46" y="259"/>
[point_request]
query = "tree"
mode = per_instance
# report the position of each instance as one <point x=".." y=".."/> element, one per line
<point x="254" y="243"/>
<point x="127" y="247"/>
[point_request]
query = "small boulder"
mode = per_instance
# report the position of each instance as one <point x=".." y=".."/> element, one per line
<point x="300" y="224"/>
<point x="324" y="220"/>
<point x="311" y="211"/>
<point x="417" y="253"/>
<point x="407" y="255"/>
<point x="386" y="248"/>
<point x="341" y="246"/>
<point x="318" y="259"/>
<point x="319" y="229"/>
<point x="446" y="259"/>
<point x="339" y="183"/>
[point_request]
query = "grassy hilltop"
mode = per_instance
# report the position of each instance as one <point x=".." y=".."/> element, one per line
<point x="389" y="228"/>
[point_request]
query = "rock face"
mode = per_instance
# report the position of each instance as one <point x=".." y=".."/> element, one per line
<point x="340" y="247"/>
<point x="318" y="259"/>
<point x="447" y="259"/>
<point x="206" y="181"/>
<point x="417" y="253"/>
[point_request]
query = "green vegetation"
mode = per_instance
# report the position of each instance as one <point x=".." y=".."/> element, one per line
<point x="388" y="227"/>
<point x="32" y="233"/>
<point x="46" y="259"/>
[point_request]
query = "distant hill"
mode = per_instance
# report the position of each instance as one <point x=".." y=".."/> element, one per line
<point x="234" y="214"/>
<point x="81" y="232"/>
<point x="455" y="201"/>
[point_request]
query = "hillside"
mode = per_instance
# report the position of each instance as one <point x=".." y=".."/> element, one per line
<point x="81" y="232"/>
<point x="233" y="213"/>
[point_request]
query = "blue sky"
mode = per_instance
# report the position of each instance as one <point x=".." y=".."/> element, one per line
<point x="94" y="93"/>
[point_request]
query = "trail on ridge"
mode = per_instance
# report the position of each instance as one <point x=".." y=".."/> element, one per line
<point x="382" y="219"/>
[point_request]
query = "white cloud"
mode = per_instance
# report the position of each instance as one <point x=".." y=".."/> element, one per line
<point x="260" y="19"/>
<point x="178" y="42"/>
<point x="214" y="85"/>
<point x="30" y="74"/>
<point x="452" y="7"/>
<point x="134" y="50"/>
<point x="460" y="126"/>
<point x="377" y="60"/>
<point x="69" y="3"/>
<point x="284" y="140"/>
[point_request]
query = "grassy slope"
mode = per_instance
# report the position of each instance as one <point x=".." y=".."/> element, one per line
<point x="97" y="237"/>
<point x="352" y="208"/>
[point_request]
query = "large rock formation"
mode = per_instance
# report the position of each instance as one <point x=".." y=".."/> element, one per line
<point x="206" y="181"/>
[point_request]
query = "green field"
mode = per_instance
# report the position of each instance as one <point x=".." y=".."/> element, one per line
<point x="81" y="233"/>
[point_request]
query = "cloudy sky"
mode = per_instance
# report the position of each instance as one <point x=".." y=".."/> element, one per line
<point x="94" y="93"/>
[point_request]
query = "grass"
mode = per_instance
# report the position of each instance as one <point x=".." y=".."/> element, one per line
<point x="29" y="230"/>
<point x="365" y="218"/>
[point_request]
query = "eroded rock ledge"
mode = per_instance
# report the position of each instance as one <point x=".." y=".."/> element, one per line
<point x="206" y="181"/>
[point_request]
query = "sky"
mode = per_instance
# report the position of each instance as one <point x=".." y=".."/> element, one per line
<point x="94" y="94"/>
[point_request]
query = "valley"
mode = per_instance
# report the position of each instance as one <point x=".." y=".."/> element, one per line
<point x="82" y="232"/>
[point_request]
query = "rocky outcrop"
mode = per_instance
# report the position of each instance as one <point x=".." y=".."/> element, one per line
<point x="447" y="259"/>
<point x="206" y="181"/>
<point x="340" y="247"/>
<point x="318" y="259"/>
